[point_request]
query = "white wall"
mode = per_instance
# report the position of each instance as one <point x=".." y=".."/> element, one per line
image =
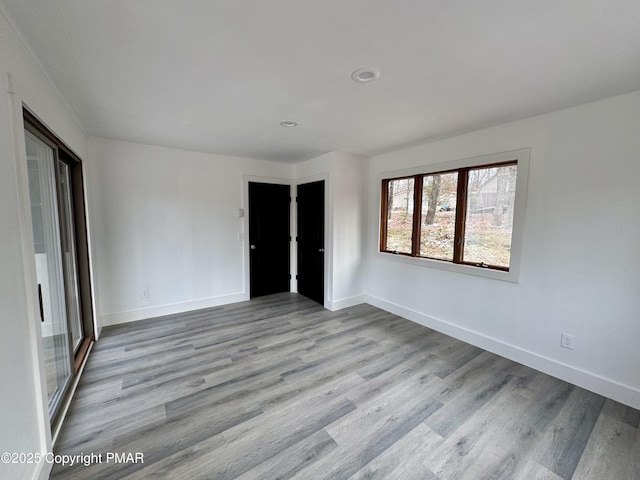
<point x="345" y="179"/>
<point x="580" y="268"/>
<point x="167" y="220"/>
<point x="24" y="422"/>
<point x="350" y="176"/>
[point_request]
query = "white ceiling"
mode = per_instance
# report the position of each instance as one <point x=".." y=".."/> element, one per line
<point x="218" y="76"/>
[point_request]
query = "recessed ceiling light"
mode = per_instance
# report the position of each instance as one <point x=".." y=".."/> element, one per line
<point x="289" y="123"/>
<point x="365" y="75"/>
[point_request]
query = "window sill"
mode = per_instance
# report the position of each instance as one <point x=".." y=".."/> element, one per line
<point x="511" y="276"/>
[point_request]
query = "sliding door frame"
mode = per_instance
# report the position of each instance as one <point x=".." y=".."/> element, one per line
<point x="62" y="153"/>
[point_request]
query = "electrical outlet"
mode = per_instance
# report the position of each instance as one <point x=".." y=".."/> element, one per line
<point x="566" y="341"/>
<point x="145" y="293"/>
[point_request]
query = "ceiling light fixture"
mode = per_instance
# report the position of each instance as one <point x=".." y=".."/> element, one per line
<point x="289" y="123"/>
<point x="365" y="75"/>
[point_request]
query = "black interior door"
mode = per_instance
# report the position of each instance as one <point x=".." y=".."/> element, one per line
<point x="311" y="240"/>
<point x="269" y="238"/>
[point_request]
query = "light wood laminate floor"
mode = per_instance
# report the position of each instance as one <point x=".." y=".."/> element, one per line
<point x="279" y="388"/>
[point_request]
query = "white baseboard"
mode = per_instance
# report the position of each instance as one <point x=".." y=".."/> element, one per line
<point x="335" y="305"/>
<point x="587" y="380"/>
<point x="161" y="310"/>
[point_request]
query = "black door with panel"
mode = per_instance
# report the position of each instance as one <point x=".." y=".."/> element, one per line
<point x="311" y="240"/>
<point x="269" y="238"/>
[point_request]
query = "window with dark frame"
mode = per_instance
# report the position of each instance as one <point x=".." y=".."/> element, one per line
<point x="463" y="215"/>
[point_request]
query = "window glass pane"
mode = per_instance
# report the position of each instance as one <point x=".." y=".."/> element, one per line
<point x="438" y="222"/>
<point x="69" y="254"/>
<point x="399" y="215"/>
<point x="489" y="223"/>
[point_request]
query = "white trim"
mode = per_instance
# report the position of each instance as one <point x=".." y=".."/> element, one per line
<point x="451" y="267"/>
<point x="89" y="217"/>
<point x="345" y="303"/>
<point x="582" y="378"/>
<point x="30" y="278"/>
<point x="170" y="309"/>
<point x="513" y="275"/>
<point x="43" y="468"/>
<point x="72" y="392"/>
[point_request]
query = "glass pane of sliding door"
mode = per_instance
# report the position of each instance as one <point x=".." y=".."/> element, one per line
<point x="70" y="267"/>
<point x="49" y="267"/>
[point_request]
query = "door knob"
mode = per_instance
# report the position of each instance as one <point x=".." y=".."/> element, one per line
<point x="253" y="247"/>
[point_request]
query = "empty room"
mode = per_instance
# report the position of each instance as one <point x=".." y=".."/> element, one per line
<point x="285" y="239"/>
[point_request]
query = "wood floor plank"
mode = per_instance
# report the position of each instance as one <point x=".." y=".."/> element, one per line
<point x="620" y="412"/>
<point x="613" y="451"/>
<point x="229" y="388"/>
<point x="485" y="382"/>
<point x="371" y="429"/>
<point x="99" y="432"/>
<point x="405" y="459"/>
<point x="380" y="384"/>
<point x="562" y="446"/>
<point x="510" y="425"/>
<point x="473" y="450"/>
<point x="257" y="440"/>
<point x="534" y="471"/>
<point x="292" y="460"/>
<point x="280" y="388"/>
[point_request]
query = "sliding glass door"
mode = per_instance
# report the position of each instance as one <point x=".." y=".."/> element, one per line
<point x="49" y="267"/>
<point x="65" y="337"/>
